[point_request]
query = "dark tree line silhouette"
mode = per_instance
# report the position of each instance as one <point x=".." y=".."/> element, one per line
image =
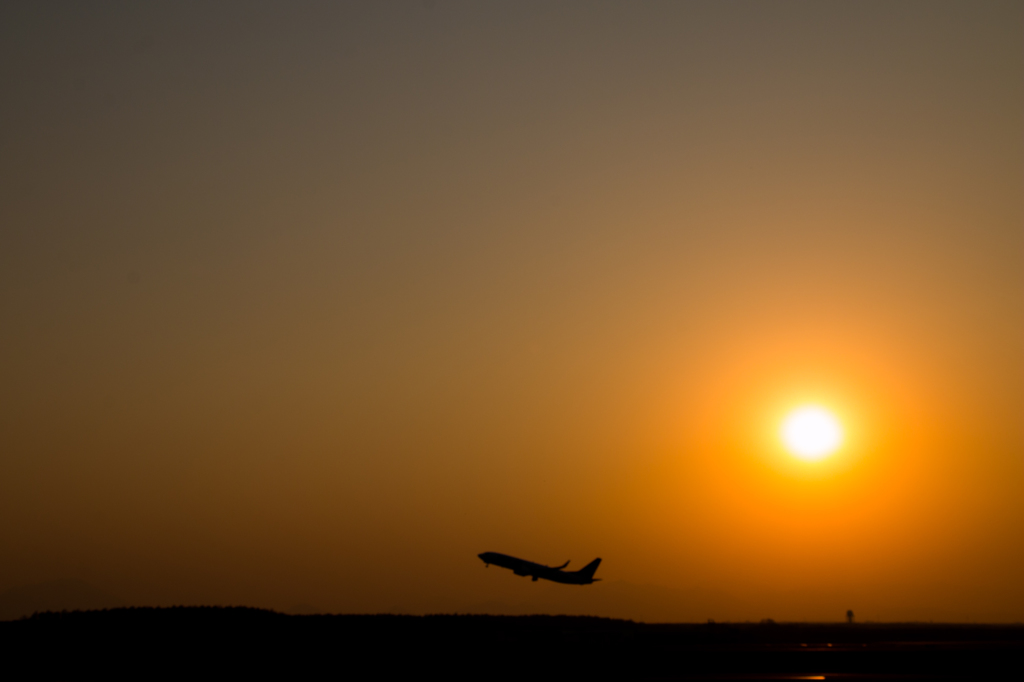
<point x="166" y="643"/>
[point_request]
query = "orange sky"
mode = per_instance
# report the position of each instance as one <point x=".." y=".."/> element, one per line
<point x="308" y="305"/>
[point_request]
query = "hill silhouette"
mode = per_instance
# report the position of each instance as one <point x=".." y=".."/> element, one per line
<point x="163" y="643"/>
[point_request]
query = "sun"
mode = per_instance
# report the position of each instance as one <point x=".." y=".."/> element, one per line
<point x="811" y="433"/>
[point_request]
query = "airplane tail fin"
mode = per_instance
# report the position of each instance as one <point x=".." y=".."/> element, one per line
<point x="588" y="570"/>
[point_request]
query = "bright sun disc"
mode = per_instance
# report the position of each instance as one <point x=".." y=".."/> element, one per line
<point x="811" y="433"/>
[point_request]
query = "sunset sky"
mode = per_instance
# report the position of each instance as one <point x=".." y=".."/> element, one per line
<point x="304" y="305"/>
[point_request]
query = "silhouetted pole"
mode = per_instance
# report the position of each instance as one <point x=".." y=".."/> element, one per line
<point x="849" y="616"/>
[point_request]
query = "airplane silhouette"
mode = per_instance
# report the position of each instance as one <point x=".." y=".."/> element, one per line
<point x="584" y="576"/>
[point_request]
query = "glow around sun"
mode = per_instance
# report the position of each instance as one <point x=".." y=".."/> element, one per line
<point x="811" y="433"/>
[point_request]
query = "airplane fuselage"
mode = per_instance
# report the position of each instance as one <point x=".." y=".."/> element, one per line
<point x="584" y="576"/>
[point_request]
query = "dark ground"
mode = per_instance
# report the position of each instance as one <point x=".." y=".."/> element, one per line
<point x="230" y="643"/>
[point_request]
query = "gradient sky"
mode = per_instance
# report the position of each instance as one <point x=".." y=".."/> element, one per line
<point x="309" y="303"/>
